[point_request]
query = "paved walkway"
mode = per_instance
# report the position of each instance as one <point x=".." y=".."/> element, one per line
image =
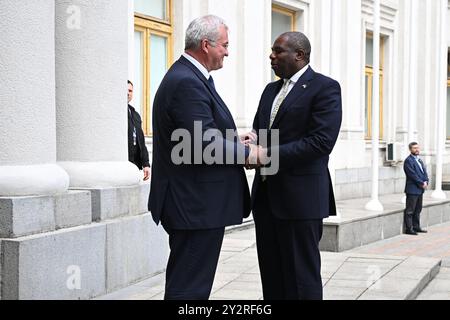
<point x="350" y="275"/>
<point x="434" y="244"/>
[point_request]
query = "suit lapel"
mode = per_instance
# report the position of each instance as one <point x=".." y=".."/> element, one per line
<point x="423" y="170"/>
<point x="416" y="165"/>
<point x="213" y="92"/>
<point x="268" y="103"/>
<point x="299" y="89"/>
<point x="221" y="103"/>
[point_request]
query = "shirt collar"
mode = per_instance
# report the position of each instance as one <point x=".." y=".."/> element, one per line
<point x="197" y="64"/>
<point x="298" y="75"/>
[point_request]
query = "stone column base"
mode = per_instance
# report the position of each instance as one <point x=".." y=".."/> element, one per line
<point x="101" y="174"/>
<point x="32" y="180"/>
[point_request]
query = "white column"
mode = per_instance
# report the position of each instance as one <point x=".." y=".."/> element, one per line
<point x="374" y="204"/>
<point x="335" y="63"/>
<point x="27" y="100"/>
<point x="413" y="72"/>
<point x="442" y="85"/>
<point x="320" y="35"/>
<point x="413" y="65"/>
<point x="91" y="76"/>
<point x="131" y="52"/>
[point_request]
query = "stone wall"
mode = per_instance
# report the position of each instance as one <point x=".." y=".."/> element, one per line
<point x="78" y="245"/>
<point x="357" y="182"/>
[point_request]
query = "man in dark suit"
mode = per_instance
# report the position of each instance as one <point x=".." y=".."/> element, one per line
<point x="194" y="200"/>
<point x="416" y="184"/>
<point x="137" y="151"/>
<point x="289" y="207"/>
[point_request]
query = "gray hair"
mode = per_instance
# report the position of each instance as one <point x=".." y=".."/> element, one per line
<point x="206" y="27"/>
<point x="297" y="41"/>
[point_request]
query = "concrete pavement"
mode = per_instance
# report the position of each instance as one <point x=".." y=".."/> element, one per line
<point x="346" y="276"/>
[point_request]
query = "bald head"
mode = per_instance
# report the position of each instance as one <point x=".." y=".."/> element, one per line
<point x="290" y="53"/>
<point x="297" y="41"/>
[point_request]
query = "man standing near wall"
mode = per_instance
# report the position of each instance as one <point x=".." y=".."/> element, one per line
<point x="416" y="184"/>
<point x="137" y="151"/>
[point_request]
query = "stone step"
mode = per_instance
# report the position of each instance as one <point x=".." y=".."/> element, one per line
<point x="356" y="227"/>
<point x="372" y="277"/>
<point x="439" y="287"/>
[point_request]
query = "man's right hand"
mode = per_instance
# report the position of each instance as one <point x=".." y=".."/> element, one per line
<point x="257" y="157"/>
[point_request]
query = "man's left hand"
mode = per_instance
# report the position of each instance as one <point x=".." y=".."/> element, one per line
<point x="248" y="138"/>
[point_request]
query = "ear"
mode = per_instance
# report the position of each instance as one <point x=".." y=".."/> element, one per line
<point x="300" y="55"/>
<point x="204" y="46"/>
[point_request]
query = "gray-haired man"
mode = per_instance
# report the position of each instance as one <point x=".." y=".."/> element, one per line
<point x="196" y="201"/>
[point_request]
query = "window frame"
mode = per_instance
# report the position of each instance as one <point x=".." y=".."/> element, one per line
<point x="368" y="72"/>
<point x="158" y="20"/>
<point x="287" y="12"/>
<point x="152" y="26"/>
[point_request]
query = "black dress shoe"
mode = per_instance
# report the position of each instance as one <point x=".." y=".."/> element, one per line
<point x="412" y="233"/>
<point x="420" y="231"/>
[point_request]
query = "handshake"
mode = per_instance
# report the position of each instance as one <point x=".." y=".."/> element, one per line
<point x="258" y="155"/>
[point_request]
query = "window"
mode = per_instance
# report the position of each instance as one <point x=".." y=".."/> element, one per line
<point x="152" y="8"/>
<point x="283" y="20"/>
<point x="369" y="85"/>
<point x="153" y="53"/>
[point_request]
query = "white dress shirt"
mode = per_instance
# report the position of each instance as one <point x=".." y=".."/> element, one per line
<point x="294" y="80"/>
<point x="197" y="64"/>
<point x="418" y="162"/>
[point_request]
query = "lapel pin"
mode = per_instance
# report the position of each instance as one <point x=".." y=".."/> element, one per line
<point x="305" y="86"/>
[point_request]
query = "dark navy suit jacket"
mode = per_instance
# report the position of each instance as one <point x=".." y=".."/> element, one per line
<point x="414" y="176"/>
<point x="194" y="196"/>
<point x="309" y="122"/>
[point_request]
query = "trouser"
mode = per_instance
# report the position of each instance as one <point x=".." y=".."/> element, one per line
<point x="412" y="212"/>
<point x="192" y="264"/>
<point x="288" y="254"/>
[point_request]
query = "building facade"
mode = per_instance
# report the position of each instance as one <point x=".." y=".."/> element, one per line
<point x="414" y="56"/>
<point x="73" y="211"/>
